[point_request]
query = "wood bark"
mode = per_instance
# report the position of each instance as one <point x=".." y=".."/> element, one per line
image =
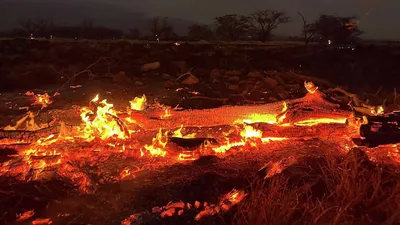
<point x="312" y="106"/>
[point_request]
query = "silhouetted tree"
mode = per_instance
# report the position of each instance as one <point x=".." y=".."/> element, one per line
<point x="40" y="27"/>
<point x="263" y="22"/>
<point x="134" y="33"/>
<point x="28" y="25"/>
<point x="87" y="23"/>
<point x="200" y="32"/>
<point x="337" y="29"/>
<point x="232" y="27"/>
<point x="160" y="27"/>
<point x="308" y="29"/>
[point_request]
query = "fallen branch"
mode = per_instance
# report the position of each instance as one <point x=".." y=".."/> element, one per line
<point x="87" y="70"/>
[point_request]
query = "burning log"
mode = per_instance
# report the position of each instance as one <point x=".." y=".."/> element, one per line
<point x="381" y="129"/>
<point x="26" y="136"/>
<point x="311" y="106"/>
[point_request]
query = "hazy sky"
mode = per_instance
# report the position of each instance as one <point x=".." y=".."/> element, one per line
<point x="378" y="18"/>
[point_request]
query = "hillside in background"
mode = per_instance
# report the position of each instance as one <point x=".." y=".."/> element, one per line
<point x="73" y="12"/>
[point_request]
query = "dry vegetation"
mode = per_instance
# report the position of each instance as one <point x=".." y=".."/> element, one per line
<point x="352" y="190"/>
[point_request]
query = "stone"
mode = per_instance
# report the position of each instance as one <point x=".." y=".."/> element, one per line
<point x="166" y="76"/>
<point x="182" y="65"/>
<point x="233" y="73"/>
<point x="272" y="99"/>
<point x="215" y="73"/>
<point x="121" y="78"/>
<point x="293" y="87"/>
<point x="280" y="80"/>
<point x="169" y="84"/>
<point x="139" y="83"/>
<point x="233" y="87"/>
<point x="234" y="79"/>
<point x="283" y="94"/>
<point x="270" y="82"/>
<point x="214" y="81"/>
<point x="245" y="82"/>
<point x="190" y="80"/>
<point x="254" y="74"/>
<point x="150" y="66"/>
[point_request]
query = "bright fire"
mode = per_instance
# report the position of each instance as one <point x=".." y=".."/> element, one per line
<point x="138" y="103"/>
<point x="102" y="121"/>
<point x="105" y="132"/>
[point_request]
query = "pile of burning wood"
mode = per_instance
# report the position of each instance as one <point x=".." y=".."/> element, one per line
<point x="144" y="131"/>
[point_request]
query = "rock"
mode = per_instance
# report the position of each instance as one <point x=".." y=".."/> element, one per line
<point x="234" y="79"/>
<point x="254" y="74"/>
<point x="166" y="76"/>
<point x="233" y="73"/>
<point x="280" y="80"/>
<point x="233" y="87"/>
<point x="121" y="78"/>
<point x="282" y="93"/>
<point x="245" y="82"/>
<point x="169" y="84"/>
<point x="139" y="83"/>
<point x="272" y="99"/>
<point x="182" y="65"/>
<point x="214" y="81"/>
<point x="293" y="87"/>
<point x="150" y="66"/>
<point x="270" y="82"/>
<point x="215" y="73"/>
<point x="190" y="80"/>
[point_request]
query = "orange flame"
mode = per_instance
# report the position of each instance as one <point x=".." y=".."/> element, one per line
<point x="311" y="88"/>
<point x="138" y="103"/>
<point x="105" y="123"/>
<point x="158" y="144"/>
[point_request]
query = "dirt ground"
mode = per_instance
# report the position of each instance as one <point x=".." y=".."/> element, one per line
<point x="218" y="75"/>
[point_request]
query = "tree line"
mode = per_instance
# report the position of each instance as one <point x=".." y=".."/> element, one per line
<point x="259" y="26"/>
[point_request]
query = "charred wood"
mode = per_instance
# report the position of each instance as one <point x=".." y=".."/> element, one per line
<point x="382" y="129"/>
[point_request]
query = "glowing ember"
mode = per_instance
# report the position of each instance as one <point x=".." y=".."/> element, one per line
<point x="266" y="118"/>
<point x="313" y="122"/>
<point x="42" y="221"/>
<point x="43" y="100"/>
<point x="250" y="132"/>
<point x="28" y="120"/>
<point x="186" y="155"/>
<point x="24" y="216"/>
<point x="178" y="133"/>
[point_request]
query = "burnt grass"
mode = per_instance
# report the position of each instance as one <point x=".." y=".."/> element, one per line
<point x="322" y="187"/>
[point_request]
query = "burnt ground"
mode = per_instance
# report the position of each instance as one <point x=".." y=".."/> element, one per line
<point x="203" y="180"/>
<point x="227" y="74"/>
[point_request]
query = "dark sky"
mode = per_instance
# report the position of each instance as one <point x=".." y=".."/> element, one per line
<point x="378" y="18"/>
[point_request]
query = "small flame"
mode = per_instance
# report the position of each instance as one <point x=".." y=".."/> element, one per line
<point x="102" y="122"/>
<point x="311" y="88"/>
<point x="166" y="113"/>
<point x="158" y="144"/>
<point x="138" y="103"/>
